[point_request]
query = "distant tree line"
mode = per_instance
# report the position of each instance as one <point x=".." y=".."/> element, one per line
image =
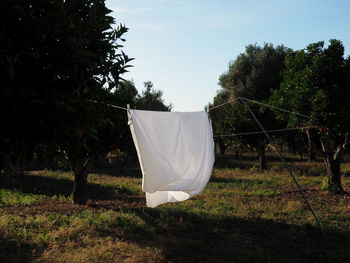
<point x="314" y="81"/>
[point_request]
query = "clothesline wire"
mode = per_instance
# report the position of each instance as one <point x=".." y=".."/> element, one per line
<point x="285" y="165"/>
<point x="222" y="104"/>
<point x="110" y="105"/>
<point x="257" y="132"/>
<point x="231" y="101"/>
<point x="260" y="103"/>
<point x="117" y="107"/>
<point x="277" y="108"/>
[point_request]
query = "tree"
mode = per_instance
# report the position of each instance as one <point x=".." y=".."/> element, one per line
<point x="125" y="93"/>
<point x="316" y="83"/>
<point x="151" y="99"/>
<point x="221" y="125"/>
<point x="254" y="74"/>
<point x="57" y="58"/>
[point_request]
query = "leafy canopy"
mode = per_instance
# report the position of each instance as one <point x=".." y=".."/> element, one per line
<point x="253" y="74"/>
<point x="317" y="83"/>
<point x="56" y="56"/>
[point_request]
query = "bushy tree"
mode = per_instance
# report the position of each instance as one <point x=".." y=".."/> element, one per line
<point x="316" y="82"/>
<point x="254" y="74"/>
<point x="151" y="99"/>
<point x="125" y="93"/>
<point x="56" y="57"/>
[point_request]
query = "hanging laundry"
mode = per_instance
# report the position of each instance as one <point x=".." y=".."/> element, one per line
<point x="175" y="151"/>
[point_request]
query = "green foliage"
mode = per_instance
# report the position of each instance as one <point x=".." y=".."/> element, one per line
<point x="253" y="74"/>
<point x="265" y="193"/>
<point x="60" y="63"/>
<point x="62" y="198"/>
<point x="56" y="57"/>
<point x="16" y="197"/>
<point x="316" y="83"/>
<point x="324" y="184"/>
<point x="151" y="99"/>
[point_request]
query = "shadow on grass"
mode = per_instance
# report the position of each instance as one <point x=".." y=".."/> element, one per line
<point x="120" y="166"/>
<point x="252" y="157"/>
<point x="51" y="186"/>
<point x="316" y="168"/>
<point x="117" y="166"/>
<point x="13" y="252"/>
<point x="185" y="237"/>
<point x="229" y="161"/>
<point x="235" y="181"/>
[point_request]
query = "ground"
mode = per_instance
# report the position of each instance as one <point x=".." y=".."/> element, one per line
<point x="244" y="215"/>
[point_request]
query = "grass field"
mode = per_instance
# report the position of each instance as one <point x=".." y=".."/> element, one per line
<point x="244" y="215"/>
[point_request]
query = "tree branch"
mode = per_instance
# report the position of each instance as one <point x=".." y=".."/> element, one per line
<point x="341" y="149"/>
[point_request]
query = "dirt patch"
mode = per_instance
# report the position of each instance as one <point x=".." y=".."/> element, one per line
<point x="312" y="192"/>
<point x="48" y="206"/>
<point x="130" y="202"/>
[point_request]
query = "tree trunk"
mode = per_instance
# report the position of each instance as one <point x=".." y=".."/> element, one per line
<point x="332" y="160"/>
<point x="80" y="181"/>
<point x="261" y="155"/>
<point x="222" y="146"/>
<point x="80" y="168"/>
<point x="310" y="147"/>
<point x="292" y="146"/>
<point x="237" y="155"/>
<point x="334" y="176"/>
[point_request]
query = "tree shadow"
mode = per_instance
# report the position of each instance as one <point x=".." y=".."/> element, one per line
<point x="228" y="161"/>
<point x="51" y="186"/>
<point x="120" y="166"/>
<point x="273" y="162"/>
<point x="235" y="181"/>
<point x="14" y="251"/>
<point x="117" y="166"/>
<point x="185" y="237"/>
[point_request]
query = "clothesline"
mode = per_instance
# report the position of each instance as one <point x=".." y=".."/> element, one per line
<point x="277" y="108"/>
<point x="231" y="101"/>
<point x="110" y="105"/>
<point x="257" y="132"/>
<point x="243" y="101"/>
<point x="117" y="107"/>
<point x="220" y="105"/>
<point x="260" y="103"/>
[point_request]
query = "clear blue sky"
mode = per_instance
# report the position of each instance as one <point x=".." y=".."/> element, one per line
<point x="183" y="46"/>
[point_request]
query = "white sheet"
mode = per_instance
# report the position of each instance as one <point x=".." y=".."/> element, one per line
<point x="175" y="151"/>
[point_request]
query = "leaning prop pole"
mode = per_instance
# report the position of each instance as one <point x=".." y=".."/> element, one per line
<point x="284" y="164"/>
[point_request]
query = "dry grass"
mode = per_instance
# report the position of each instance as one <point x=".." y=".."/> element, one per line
<point x="244" y="215"/>
<point x="101" y="250"/>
